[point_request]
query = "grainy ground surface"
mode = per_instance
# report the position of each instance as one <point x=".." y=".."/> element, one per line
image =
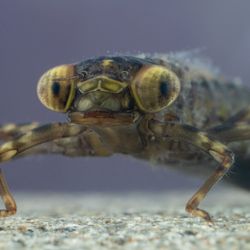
<point x="126" y="221"/>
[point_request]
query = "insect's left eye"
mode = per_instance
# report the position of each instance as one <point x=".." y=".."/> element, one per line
<point x="154" y="88"/>
<point x="56" y="88"/>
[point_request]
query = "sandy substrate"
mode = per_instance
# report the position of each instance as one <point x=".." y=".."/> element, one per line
<point x="126" y="221"/>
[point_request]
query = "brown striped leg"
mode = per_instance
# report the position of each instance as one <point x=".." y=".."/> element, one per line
<point x="193" y="203"/>
<point x="202" y="141"/>
<point x="9" y="202"/>
<point x="236" y="128"/>
<point x="67" y="138"/>
<point x="11" y="130"/>
<point x="39" y="135"/>
<point x="14" y="148"/>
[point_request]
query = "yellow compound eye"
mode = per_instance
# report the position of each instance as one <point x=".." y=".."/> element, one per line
<point x="56" y="88"/>
<point x="154" y="88"/>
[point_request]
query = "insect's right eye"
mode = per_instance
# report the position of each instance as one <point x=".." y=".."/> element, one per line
<point x="154" y="88"/>
<point x="56" y="88"/>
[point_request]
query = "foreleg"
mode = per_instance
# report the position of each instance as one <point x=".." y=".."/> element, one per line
<point x="11" y="130"/>
<point x="9" y="202"/>
<point x="68" y="139"/>
<point x="202" y="141"/>
<point x="39" y="135"/>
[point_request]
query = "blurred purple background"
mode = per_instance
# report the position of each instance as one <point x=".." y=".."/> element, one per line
<point x="36" y="35"/>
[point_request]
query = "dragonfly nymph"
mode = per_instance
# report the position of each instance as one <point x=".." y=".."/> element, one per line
<point x="169" y="109"/>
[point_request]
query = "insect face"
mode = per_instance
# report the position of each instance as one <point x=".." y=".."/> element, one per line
<point x="56" y="88"/>
<point x="109" y="84"/>
<point x="154" y="88"/>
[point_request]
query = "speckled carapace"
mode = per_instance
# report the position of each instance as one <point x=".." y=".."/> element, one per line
<point x="172" y="110"/>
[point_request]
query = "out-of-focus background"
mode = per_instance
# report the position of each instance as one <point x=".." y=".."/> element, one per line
<point x="36" y="35"/>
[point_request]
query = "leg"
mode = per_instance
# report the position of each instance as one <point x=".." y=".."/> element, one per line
<point x="231" y="132"/>
<point x="201" y="140"/>
<point x="39" y="135"/>
<point x="14" y="148"/>
<point x="68" y="139"/>
<point x="9" y="202"/>
<point x="11" y="130"/>
<point x="236" y="128"/>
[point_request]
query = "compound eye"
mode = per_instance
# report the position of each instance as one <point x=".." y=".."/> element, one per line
<point x="56" y="88"/>
<point x="154" y="88"/>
